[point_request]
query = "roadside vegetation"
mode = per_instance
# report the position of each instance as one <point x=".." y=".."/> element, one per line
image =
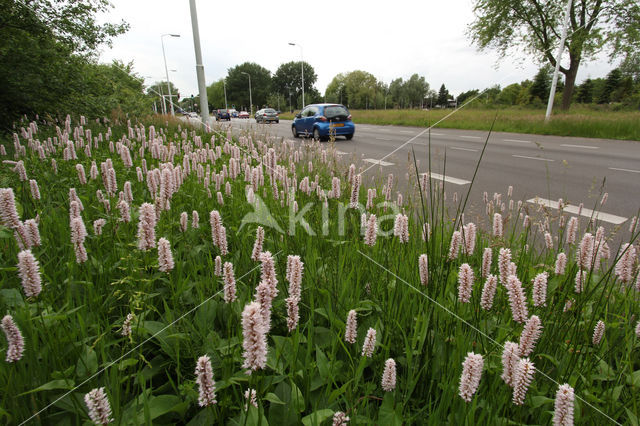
<point x="584" y="121"/>
<point x="169" y="271"/>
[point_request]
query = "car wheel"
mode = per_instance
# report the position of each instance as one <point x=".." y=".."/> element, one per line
<point x="349" y="137"/>
<point x="294" y="131"/>
<point x="316" y="134"/>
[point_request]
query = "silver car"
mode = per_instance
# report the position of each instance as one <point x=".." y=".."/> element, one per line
<point x="267" y="115"/>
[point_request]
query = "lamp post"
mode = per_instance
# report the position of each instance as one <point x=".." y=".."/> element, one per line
<point x="301" y="69"/>
<point x="166" y="71"/>
<point x="224" y="86"/>
<point x="250" y="99"/>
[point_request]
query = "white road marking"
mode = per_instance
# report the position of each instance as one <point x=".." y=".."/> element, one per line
<point x="605" y="217"/>
<point x="624" y="170"/>
<point x="471" y="137"/>
<point x="341" y="153"/>
<point x="463" y="149"/>
<point x="532" y="158"/>
<point x="449" y="179"/>
<point x="380" y="162"/>
<point x="383" y="139"/>
<point x="436" y="134"/>
<point x="516" y="140"/>
<point x="579" y="146"/>
<point x="407" y="131"/>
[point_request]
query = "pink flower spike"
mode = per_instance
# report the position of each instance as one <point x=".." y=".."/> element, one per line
<point x="29" y="273"/>
<point x="369" y="343"/>
<point x="563" y="407"/>
<point x="389" y="375"/>
<point x="510" y="361"/>
<point x="229" y="283"/>
<point x="530" y="335"/>
<point x="465" y="283"/>
<point x="206" y="384"/>
<point x="98" y="405"/>
<point x="488" y="292"/>
<point x="522" y="379"/>
<point x="165" y="257"/>
<point x="471" y="374"/>
<point x="14" y="339"/>
<point x="598" y="332"/>
<point x="351" y="330"/>
<point x="255" y="339"/>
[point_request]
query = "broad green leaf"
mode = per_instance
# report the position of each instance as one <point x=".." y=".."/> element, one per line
<point x="539" y="400"/>
<point x="387" y="414"/>
<point x="273" y="398"/>
<point x="54" y="384"/>
<point x="323" y="364"/>
<point x="88" y="363"/>
<point x="317" y="417"/>
<point x="160" y="405"/>
<point x="127" y="363"/>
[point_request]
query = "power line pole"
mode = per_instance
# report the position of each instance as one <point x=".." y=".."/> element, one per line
<point x="554" y="82"/>
<point x="202" y="87"/>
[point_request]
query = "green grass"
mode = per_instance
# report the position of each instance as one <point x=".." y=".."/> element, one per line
<point x="72" y="330"/>
<point x="578" y="121"/>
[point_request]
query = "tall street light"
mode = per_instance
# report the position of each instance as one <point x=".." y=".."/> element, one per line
<point x="301" y="69"/>
<point x="166" y="71"/>
<point x="202" y="87"/>
<point x="224" y="85"/>
<point x="250" y="99"/>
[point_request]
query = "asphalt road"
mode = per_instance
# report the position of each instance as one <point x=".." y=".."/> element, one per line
<point x="578" y="170"/>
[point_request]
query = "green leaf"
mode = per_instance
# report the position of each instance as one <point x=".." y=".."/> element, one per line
<point x="539" y="400"/>
<point x="273" y="398"/>
<point x="54" y="384"/>
<point x="88" y="363"/>
<point x="633" y="419"/>
<point x="634" y="379"/>
<point x="317" y="417"/>
<point x="127" y="363"/>
<point x="11" y="297"/>
<point x="387" y="415"/>
<point x="160" y="405"/>
<point x="323" y="364"/>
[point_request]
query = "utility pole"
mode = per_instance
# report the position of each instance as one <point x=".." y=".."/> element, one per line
<point x="301" y="70"/>
<point x="554" y="82"/>
<point x="202" y="87"/>
<point x="166" y="71"/>
<point x="224" y="85"/>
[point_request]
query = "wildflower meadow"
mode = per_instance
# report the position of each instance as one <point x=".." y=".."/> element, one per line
<point x="154" y="273"/>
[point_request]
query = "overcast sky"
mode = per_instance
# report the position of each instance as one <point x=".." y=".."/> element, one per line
<point x="387" y="39"/>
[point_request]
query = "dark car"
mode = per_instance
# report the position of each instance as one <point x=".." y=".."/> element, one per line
<point x="223" y="114"/>
<point x="324" y="120"/>
<point x="267" y="115"/>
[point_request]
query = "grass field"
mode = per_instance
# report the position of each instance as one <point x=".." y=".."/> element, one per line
<point x="578" y="121"/>
<point x="133" y="305"/>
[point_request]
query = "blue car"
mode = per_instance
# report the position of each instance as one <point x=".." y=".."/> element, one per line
<point x="323" y="120"/>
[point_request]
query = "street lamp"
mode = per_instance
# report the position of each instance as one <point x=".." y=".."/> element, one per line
<point x="301" y="70"/>
<point x="250" y="99"/>
<point x="166" y="71"/>
<point x="224" y="85"/>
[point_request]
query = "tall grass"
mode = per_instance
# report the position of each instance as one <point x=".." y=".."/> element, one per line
<point x="578" y="121"/>
<point x="73" y="334"/>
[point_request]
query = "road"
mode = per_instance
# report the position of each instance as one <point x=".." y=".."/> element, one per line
<point x="578" y="170"/>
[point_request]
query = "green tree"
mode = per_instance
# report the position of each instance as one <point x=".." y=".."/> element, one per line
<point x="45" y="48"/>
<point x="443" y="96"/>
<point x="215" y="95"/>
<point x="541" y="84"/>
<point x="238" y="85"/>
<point x="611" y="86"/>
<point x="585" y="92"/>
<point x="464" y="96"/>
<point x="535" y="26"/>
<point x="335" y="91"/>
<point x="509" y="95"/>
<point x="159" y="90"/>
<point x="288" y="79"/>
<point x="397" y="90"/>
<point x="416" y="88"/>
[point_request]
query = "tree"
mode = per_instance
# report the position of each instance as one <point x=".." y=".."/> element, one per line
<point x="541" y="84"/>
<point x="336" y="90"/>
<point x="535" y="25"/>
<point x="398" y="93"/>
<point x="416" y="88"/>
<point x="585" y="92"/>
<point x="215" y="95"/>
<point x="44" y="49"/>
<point x="159" y="90"/>
<point x="443" y="96"/>
<point x="610" y="87"/>
<point x="462" y="97"/>
<point x="288" y="79"/>
<point x="238" y="85"/>
<point x="509" y="95"/>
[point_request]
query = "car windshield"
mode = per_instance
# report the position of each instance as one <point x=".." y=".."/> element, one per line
<point x="270" y="111"/>
<point x="335" y="111"/>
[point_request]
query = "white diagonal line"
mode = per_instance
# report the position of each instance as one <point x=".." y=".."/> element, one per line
<point x="605" y="217"/>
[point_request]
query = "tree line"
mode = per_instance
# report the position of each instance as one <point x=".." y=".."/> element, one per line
<point x="48" y="64"/>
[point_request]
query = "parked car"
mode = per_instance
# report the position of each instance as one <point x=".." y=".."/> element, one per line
<point x="323" y="120"/>
<point x="267" y="115"/>
<point x="223" y="114"/>
<point x="243" y="114"/>
<point x="233" y="112"/>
